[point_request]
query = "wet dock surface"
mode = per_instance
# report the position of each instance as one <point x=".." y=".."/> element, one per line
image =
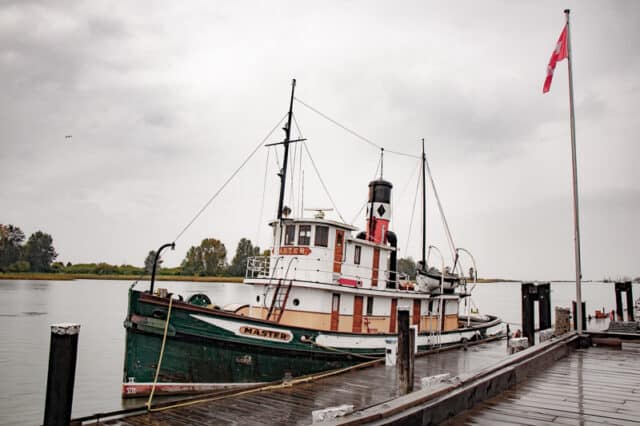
<point x="294" y="405"/>
<point x="595" y="385"/>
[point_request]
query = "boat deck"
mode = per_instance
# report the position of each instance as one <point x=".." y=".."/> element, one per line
<point x="595" y="385"/>
<point x="294" y="405"/>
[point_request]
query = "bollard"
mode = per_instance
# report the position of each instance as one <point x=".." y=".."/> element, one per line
<point x="404" y="365"/>
<point x="62" y="370"/>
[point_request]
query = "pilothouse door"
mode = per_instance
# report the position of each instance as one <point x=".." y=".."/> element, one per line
<point x="337" y="251"/>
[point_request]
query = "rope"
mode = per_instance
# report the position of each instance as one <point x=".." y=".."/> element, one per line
<point x="348" y="130"/>
<point x="345" y="352"/>
<point x="282" y="385"/>
<point x="313" y="163"/>
<point x="264" y="190"/>
<point x="228" y="180"/>
<point x="164" y="341"/>
<point x="413" y="211"/>
<point x="452" y="246"/>
<point x="375" y="174"/>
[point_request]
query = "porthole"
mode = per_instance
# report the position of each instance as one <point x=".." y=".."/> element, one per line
<point x="296" y="302"/>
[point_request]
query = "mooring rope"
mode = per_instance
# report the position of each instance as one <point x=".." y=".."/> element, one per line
<point x="164" y="341"/>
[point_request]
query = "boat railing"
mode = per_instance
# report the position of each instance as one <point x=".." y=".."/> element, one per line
<point x="318" y="270"/>
<point x="259" y="266"/>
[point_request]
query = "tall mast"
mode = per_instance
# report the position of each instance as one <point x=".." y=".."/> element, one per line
<point x="576" y="215"/>
<point x="287" y="138"/>
<point x="424" y="208"/>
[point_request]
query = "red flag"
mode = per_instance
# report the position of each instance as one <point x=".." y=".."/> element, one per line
<point x="559" y="53"/>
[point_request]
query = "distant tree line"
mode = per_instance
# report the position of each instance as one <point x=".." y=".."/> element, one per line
<point x="38" y="255"/>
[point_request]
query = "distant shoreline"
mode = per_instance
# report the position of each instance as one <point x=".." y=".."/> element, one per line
<point x="72" y="277"/>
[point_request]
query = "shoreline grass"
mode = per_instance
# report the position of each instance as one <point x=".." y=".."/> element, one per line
<point x="72" y="277"/>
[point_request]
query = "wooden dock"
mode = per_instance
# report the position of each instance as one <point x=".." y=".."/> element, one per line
<point x="555" y="382"/>
<point x="294" y="404"/>
<point x="595" y="385"/>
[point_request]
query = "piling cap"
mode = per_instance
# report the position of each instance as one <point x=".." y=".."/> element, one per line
<point x="67" y="328"/>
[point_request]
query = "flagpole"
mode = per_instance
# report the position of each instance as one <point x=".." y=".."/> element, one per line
<point x="576" y="216"/>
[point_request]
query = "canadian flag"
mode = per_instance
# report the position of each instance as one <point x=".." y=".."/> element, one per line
<point x="559" y="53"/>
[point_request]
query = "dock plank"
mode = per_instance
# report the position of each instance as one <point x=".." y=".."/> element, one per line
<point x="595" y="385"/>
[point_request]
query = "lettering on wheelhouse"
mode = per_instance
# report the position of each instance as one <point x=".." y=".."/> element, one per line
<point x="266" y="333"/>
<point x="293" y="250"/>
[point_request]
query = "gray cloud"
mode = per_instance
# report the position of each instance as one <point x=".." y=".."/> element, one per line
<point x="164" y="100"/>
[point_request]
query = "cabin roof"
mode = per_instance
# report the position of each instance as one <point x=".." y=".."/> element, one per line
<point x="369" y="243"/>
<point x="315" y="221"/>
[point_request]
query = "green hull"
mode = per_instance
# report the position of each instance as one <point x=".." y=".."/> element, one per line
<point x="200" y="356"/>
<point x="208" y="349"/>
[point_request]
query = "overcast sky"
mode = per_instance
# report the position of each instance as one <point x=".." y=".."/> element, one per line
<point x="165" y="99"/>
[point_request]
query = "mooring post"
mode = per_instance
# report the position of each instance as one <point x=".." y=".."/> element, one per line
<point x="627" y="287"/>
<point x="62" y="371"/>
<point x="630" y="307"/>
<point x="544" y="305"/>
<point x="404" y="365"/>
<point x="529" y="294"/>
<point x="575" y="315"/>
<point x="619" y="310"/>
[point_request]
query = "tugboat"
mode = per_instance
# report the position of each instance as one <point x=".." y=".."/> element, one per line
<point x="325" y="298"/>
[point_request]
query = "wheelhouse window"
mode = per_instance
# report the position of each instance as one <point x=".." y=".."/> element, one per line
<point x="369" y="305"/>
<point x="289" y="235"/>
<point x="322" y="236"/>
<point x="356" y="255"/>
<point x="304" y="235"/>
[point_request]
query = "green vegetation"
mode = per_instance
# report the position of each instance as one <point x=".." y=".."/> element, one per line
<point x="35" y="259"/>
<point x="34" y="256"/>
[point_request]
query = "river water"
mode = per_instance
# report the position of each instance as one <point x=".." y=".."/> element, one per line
<point x="27" y="308"/>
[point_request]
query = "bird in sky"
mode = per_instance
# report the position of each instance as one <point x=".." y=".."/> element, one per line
<point x="68" y="136"/>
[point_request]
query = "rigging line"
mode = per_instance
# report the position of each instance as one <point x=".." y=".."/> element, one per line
<point x="292" y="195"/>
<point x="452" y="246"/>
<point x="264" y="191"/>
<point x="213" y="197"/>
<point x="406" y="185"/>
<point x="375" y="174"/>
<point x="413" y="211"/>
<point x="313" y="163"/>
<point x="300" y="171"/>
<point x="348" y="130"/>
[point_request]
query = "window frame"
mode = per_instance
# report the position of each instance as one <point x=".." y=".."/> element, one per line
<point x="288" y="235"/>
<point x="304" y="240"/>
<point x="316" y="242"/>
<point x="357" y="254"/>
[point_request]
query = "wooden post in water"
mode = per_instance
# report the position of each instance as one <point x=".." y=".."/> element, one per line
<point x="628" y="289"/>
<point x="583" y="324"/>
<point x="404" y="365"/>
<point x="62" y="370"/>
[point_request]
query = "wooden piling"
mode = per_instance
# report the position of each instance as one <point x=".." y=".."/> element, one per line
<point x="61" y="376"/>
<point x="404" y="365"/>
<point x="575" y="315"/>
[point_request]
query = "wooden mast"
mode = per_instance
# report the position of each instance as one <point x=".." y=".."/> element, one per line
<point x="287" y="139"/>
<point x="424" y="209"/>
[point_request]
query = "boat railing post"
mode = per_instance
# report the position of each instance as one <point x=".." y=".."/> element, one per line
<point x="404" y="364"/>
<point x="63" y="353"/>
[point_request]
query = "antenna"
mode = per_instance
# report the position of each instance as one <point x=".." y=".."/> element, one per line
<point x="319" y="212"/>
